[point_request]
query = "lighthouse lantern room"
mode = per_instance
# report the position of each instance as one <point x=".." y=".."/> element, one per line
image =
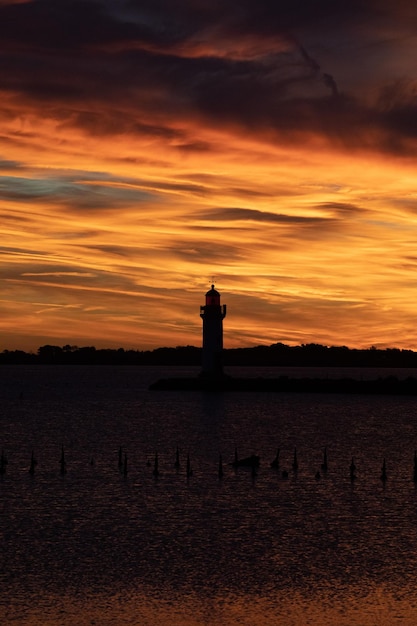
<point x="212" y="314"/>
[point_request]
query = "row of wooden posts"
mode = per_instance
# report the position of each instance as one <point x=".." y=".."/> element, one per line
<point x="252" y="462"/>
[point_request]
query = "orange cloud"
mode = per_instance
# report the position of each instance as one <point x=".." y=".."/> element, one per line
<point x="139" y="158"/>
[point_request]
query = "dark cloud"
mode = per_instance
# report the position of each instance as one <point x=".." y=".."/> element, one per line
<point x="44" y="24"/>
<point x="253" y="215"/>
<point x="9" y="165"/>
<point x="114" y="250"/>
<point x="401" y="120"/>
<point x="22" y="252"/>
<point x="78" y="192"/>
<point x="12" y="217"/>
<point x="107" y="67"/>
<point x="58" y="275"/>
<point x="214" y="253"/>
<point x="341" y="208"/>
<point x="194" y="146"/>
<point x="257" y="193"/>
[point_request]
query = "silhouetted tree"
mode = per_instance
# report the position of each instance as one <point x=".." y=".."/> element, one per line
<point x="278" y="354"/>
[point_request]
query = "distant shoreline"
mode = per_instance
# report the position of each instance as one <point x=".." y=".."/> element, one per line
<point x="389" y="385"/>
<point x="275" y="355"/>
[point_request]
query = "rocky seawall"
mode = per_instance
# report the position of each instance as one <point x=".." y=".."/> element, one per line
<point x="381" y="386"/>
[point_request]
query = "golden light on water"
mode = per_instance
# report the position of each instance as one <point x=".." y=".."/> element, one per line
<point x="367" y="607"/>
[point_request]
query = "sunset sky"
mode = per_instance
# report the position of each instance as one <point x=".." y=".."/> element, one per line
<point x="148" y="147"/>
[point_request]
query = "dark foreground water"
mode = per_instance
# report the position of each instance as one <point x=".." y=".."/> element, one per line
<point x="94" y="546"/>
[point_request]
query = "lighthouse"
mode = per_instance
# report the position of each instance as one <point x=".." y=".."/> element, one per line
<point x="212" y="314"/>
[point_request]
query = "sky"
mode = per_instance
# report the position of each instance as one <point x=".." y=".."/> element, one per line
<point x="149" y="148"/>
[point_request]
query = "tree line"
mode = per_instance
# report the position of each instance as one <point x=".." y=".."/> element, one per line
<point x="278" y="354"/>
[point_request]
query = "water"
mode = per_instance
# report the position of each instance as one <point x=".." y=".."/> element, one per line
<point x="96" y="547"/>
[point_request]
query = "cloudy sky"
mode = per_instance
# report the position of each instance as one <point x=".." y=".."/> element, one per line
<point x="148" y="147"/>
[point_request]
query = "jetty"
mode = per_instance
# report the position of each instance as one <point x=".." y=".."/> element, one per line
<point x="390" y="385"/>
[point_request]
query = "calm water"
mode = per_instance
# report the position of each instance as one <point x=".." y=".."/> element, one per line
<point x="96" y="547"/>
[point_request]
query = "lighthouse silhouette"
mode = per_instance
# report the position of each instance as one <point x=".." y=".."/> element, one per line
<point x="212" y="314"/>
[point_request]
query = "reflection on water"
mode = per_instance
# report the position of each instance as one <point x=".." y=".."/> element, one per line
<point x="142" y="606"/>
<point x="97" y="547"/>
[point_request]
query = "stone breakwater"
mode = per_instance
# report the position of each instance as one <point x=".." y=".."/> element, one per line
<point x="390" y="385"/>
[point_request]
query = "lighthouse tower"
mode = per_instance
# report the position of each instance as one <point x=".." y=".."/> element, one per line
<point x="212" y="315"/>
